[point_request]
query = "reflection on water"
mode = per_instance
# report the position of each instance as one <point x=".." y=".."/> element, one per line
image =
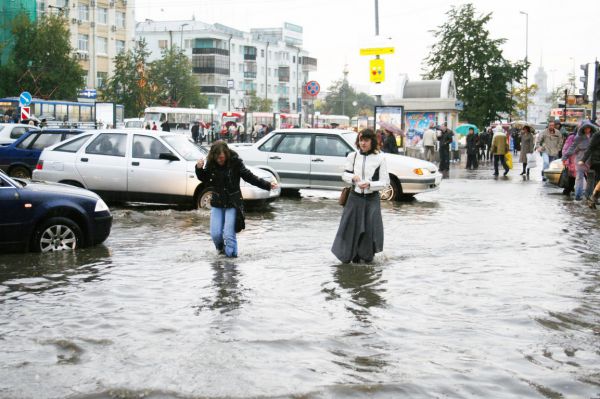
<point x="228" y="291"/>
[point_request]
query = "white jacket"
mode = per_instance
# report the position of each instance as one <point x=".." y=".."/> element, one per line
<point x="365" y="167"/>
<point x="429" y="138"/>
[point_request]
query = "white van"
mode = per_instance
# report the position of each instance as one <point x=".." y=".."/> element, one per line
<point x="10" y="132"/>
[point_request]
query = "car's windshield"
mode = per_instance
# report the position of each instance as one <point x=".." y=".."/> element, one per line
<point x="153" y="117"/>
<point x="13" y="181"/>
<point x="185" y="147"/>
<point x="350" y="137"/>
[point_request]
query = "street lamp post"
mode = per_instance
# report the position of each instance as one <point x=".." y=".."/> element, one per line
<point x="181" y="36"/>
<point x="526" y="61"/>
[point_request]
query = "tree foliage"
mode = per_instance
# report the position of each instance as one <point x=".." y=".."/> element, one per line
<point x="523" y="98"/>
<point x="172" y="74"/>
<point x="258" y="104"/>
<point x="341" y="99"/>
<point x="482" y="75"/>
<point x="42" y="60"/>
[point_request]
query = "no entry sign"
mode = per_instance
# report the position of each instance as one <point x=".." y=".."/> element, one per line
<point x="312" y="88"/>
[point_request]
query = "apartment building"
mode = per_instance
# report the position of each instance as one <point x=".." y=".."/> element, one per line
<point x="229" y="64"/>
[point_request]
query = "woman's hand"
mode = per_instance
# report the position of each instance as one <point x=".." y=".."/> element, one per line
<point x="364" y="185"/>
<point x="356" y="178"/>
<point x="200" y="164"/>
<point x="274" y="185"/>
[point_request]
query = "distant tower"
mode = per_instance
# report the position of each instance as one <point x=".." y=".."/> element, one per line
<point x="541" y="80"/>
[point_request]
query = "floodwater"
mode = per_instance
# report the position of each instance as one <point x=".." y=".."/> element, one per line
<point x="485" y="289"/>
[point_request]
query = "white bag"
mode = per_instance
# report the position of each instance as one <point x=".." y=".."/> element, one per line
<point x="531" y="161"/>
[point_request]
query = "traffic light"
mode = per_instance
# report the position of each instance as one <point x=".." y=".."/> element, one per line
<point x="377" y="69"/>
<point x="584" y="80"/>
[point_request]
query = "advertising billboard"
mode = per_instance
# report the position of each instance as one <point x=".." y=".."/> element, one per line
<point x="392" y="114"/>
<point x="417" y="123"/>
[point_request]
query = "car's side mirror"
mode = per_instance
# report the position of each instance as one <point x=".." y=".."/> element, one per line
<point x="168" y="156"/>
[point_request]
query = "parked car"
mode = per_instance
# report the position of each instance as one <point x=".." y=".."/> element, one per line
<point x="553" y="172"/>
<point x="10" y="132"/>
<point x="134" y="123"/>
<point x="315" y="158"/>
<point x="46" y="217"/>
<point x="137" y="166"/>
<point x="18" y="159"/>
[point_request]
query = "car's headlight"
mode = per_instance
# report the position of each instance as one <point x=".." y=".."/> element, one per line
<point x="101" y="206"/>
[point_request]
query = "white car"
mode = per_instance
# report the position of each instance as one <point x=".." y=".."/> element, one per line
<point x="137" y="166"/>
<point x="134" y="123"/>
<point x="315" y="158"/>
<point x="10" y="132"/>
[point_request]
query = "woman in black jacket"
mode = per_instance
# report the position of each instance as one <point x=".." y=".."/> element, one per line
<point x="389" y="142"/>
<point x="223" y="171"/>
<point x="592" y="155"/>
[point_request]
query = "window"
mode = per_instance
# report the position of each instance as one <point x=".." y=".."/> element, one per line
<point x="27" y="141"/>
<point x="270" y="144"/>
<point x="73" y="146"/>
<point x="82" y="42"/>
<point x="120" y="19"/>
<point x="18" y="132"/>
<point x="119" y="45"/>
<point x="262" y="53"/>
<point x="330" y="146"/>
<point x="101" y="78"/>
<point x="45" y="140"/>
<point x="102" y="44"/>
<point x="108" y="144"/>
<point x="61" y="3"/>
<point x="241" y="68"/>
<point x="84" y="12"/>
<point x="188" y="43"/>
<point x="163" y="43"/>
<point x="102" y="15"/>
<point x="293" y="59"/>
<point x="295" y="144"/>
<point x="148" y="147"/>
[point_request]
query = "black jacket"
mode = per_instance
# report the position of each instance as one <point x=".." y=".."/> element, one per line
<point x="445" y="138"/>
<point x="165" y="126"/>
<point x="592" y="154"/>
<point x="225" y="182"/>
<point x="472" y="142"/>
<point x="389" y="145"/>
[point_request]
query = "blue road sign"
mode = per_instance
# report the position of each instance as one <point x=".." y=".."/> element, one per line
<point x="88" y="93"/>
<point x="25" y="99"/>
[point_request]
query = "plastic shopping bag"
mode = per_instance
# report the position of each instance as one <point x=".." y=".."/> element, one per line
<point x="531" y="161"/>
<point x="509" y="161"/>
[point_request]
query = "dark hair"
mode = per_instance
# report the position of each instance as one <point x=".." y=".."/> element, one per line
<point x="368" y="134"/>
<point x="528" y="128"/>
<point x="218" y="147"/>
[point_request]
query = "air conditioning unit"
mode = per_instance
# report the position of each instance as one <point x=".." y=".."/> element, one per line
<point x="113" y="28"/>
<point x="74" y="20"/>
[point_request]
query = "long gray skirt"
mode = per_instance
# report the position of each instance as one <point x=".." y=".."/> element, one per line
<point x="360" y="234"/>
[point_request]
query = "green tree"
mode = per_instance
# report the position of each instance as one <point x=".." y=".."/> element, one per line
<point x="130" y="84"/>
<point x="482" y="74"/>
<point x="42" y="60"/>
<point x="172" y="74"/>
<point x="341" y="100"/>
<point x="523" y="98"/>
<point x="258" y="104"/>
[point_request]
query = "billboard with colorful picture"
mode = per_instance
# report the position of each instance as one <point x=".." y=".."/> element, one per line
<point x="392" y="114"/>
<point x="417" y="123"/>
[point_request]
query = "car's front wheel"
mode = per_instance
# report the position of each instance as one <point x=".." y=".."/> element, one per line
<point x="20" y="172"/>
<point x="203" y="198"/>
<point x="392" y="191"/>
<point x="57" y="234"/>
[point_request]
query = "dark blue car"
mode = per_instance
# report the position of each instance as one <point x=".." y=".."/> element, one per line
<point x="44" y="217"/>
<point x="19" y="158"/>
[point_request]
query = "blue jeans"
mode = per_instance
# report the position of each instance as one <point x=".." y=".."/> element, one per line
<point x="580" y="181"/>
<point x="222" y="230"/>
<point x="547" y="159"/>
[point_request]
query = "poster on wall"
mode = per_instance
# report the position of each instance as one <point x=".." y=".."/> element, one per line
<point x="417" y="123"/>
<point x="391" y="114"/>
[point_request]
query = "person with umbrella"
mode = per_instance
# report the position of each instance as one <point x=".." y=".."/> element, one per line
<point x="389" y="141"/>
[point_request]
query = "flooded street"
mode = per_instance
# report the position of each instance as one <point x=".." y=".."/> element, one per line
<point x="485" y="289"/>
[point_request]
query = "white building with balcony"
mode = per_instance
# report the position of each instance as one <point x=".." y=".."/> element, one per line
<point x="229" y="64"/>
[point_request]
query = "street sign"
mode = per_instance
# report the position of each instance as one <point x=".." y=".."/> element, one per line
<point x="459" y="105"/>
<point x="25" y="114"/>
<point x="312" y="88"/>
<point x="376" y="51"/>
<point x="25" y="99"/>
<point x="230" y="84"/>
<point x="88" y="93"/>
<point x="377" y="67"/>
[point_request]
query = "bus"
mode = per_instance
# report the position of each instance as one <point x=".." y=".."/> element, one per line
<point x="328" y="121"/>
<point x="58" y="113"/>
<point x="289" y="121"/>
<point x="181" y="119"/>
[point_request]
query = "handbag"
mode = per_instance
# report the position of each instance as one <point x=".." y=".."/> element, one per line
<point x="346" y="190"/>
<point x="531" y="161"/>
<point x="509" y="160"/>
<point x="240" y="218"/>
<point x="563" y="180"/>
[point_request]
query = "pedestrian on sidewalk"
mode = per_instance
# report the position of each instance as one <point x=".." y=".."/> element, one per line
<point x="389" y="141"/>
<point x="472" y="148"/>
<point x="360" y="233"/>
<point x="445" y="140"/>
<point x="578" y="148"/>
<point x="592" y="157"/>
<point x="527" y="147"/>
<point x="429" y="142"/>
<point x="499" y="149"/>
<point x="195" y="131"/>
<point x="222" y="171"/>
<point x="570" y="164"/>
<point x="549" y="144"/>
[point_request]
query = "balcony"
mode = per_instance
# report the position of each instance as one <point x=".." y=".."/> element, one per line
<point x="220" y="71"/>
<point x="210" y="50"/>
<point x="250" y="57"/>
<point x="249" y="53"/>
<point x="309" y="64"/>
<point x="249" y="75"/>
<point x="214" y="90"/>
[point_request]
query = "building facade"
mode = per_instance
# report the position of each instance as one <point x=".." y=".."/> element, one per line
<point x="539" y="109"/>
<point x="100" y="29"/>
<point x="229" y="65"/>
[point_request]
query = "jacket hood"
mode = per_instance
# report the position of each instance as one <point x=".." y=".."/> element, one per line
<point x="587" y="124"/>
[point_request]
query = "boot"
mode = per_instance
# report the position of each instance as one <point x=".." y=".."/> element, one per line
<point x="524" y="169"/>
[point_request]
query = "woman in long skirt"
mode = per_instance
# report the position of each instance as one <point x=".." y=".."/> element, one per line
<point x="360" y="234"/>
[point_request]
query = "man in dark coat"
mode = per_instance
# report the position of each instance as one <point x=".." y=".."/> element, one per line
<point x="445" y="139"/>
<point x="195" y="132"/>
<point x="472" y="148"/>
<point x="165" y="126"/>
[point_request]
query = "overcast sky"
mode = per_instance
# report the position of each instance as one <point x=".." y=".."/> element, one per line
<point x="565" y="34"/>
